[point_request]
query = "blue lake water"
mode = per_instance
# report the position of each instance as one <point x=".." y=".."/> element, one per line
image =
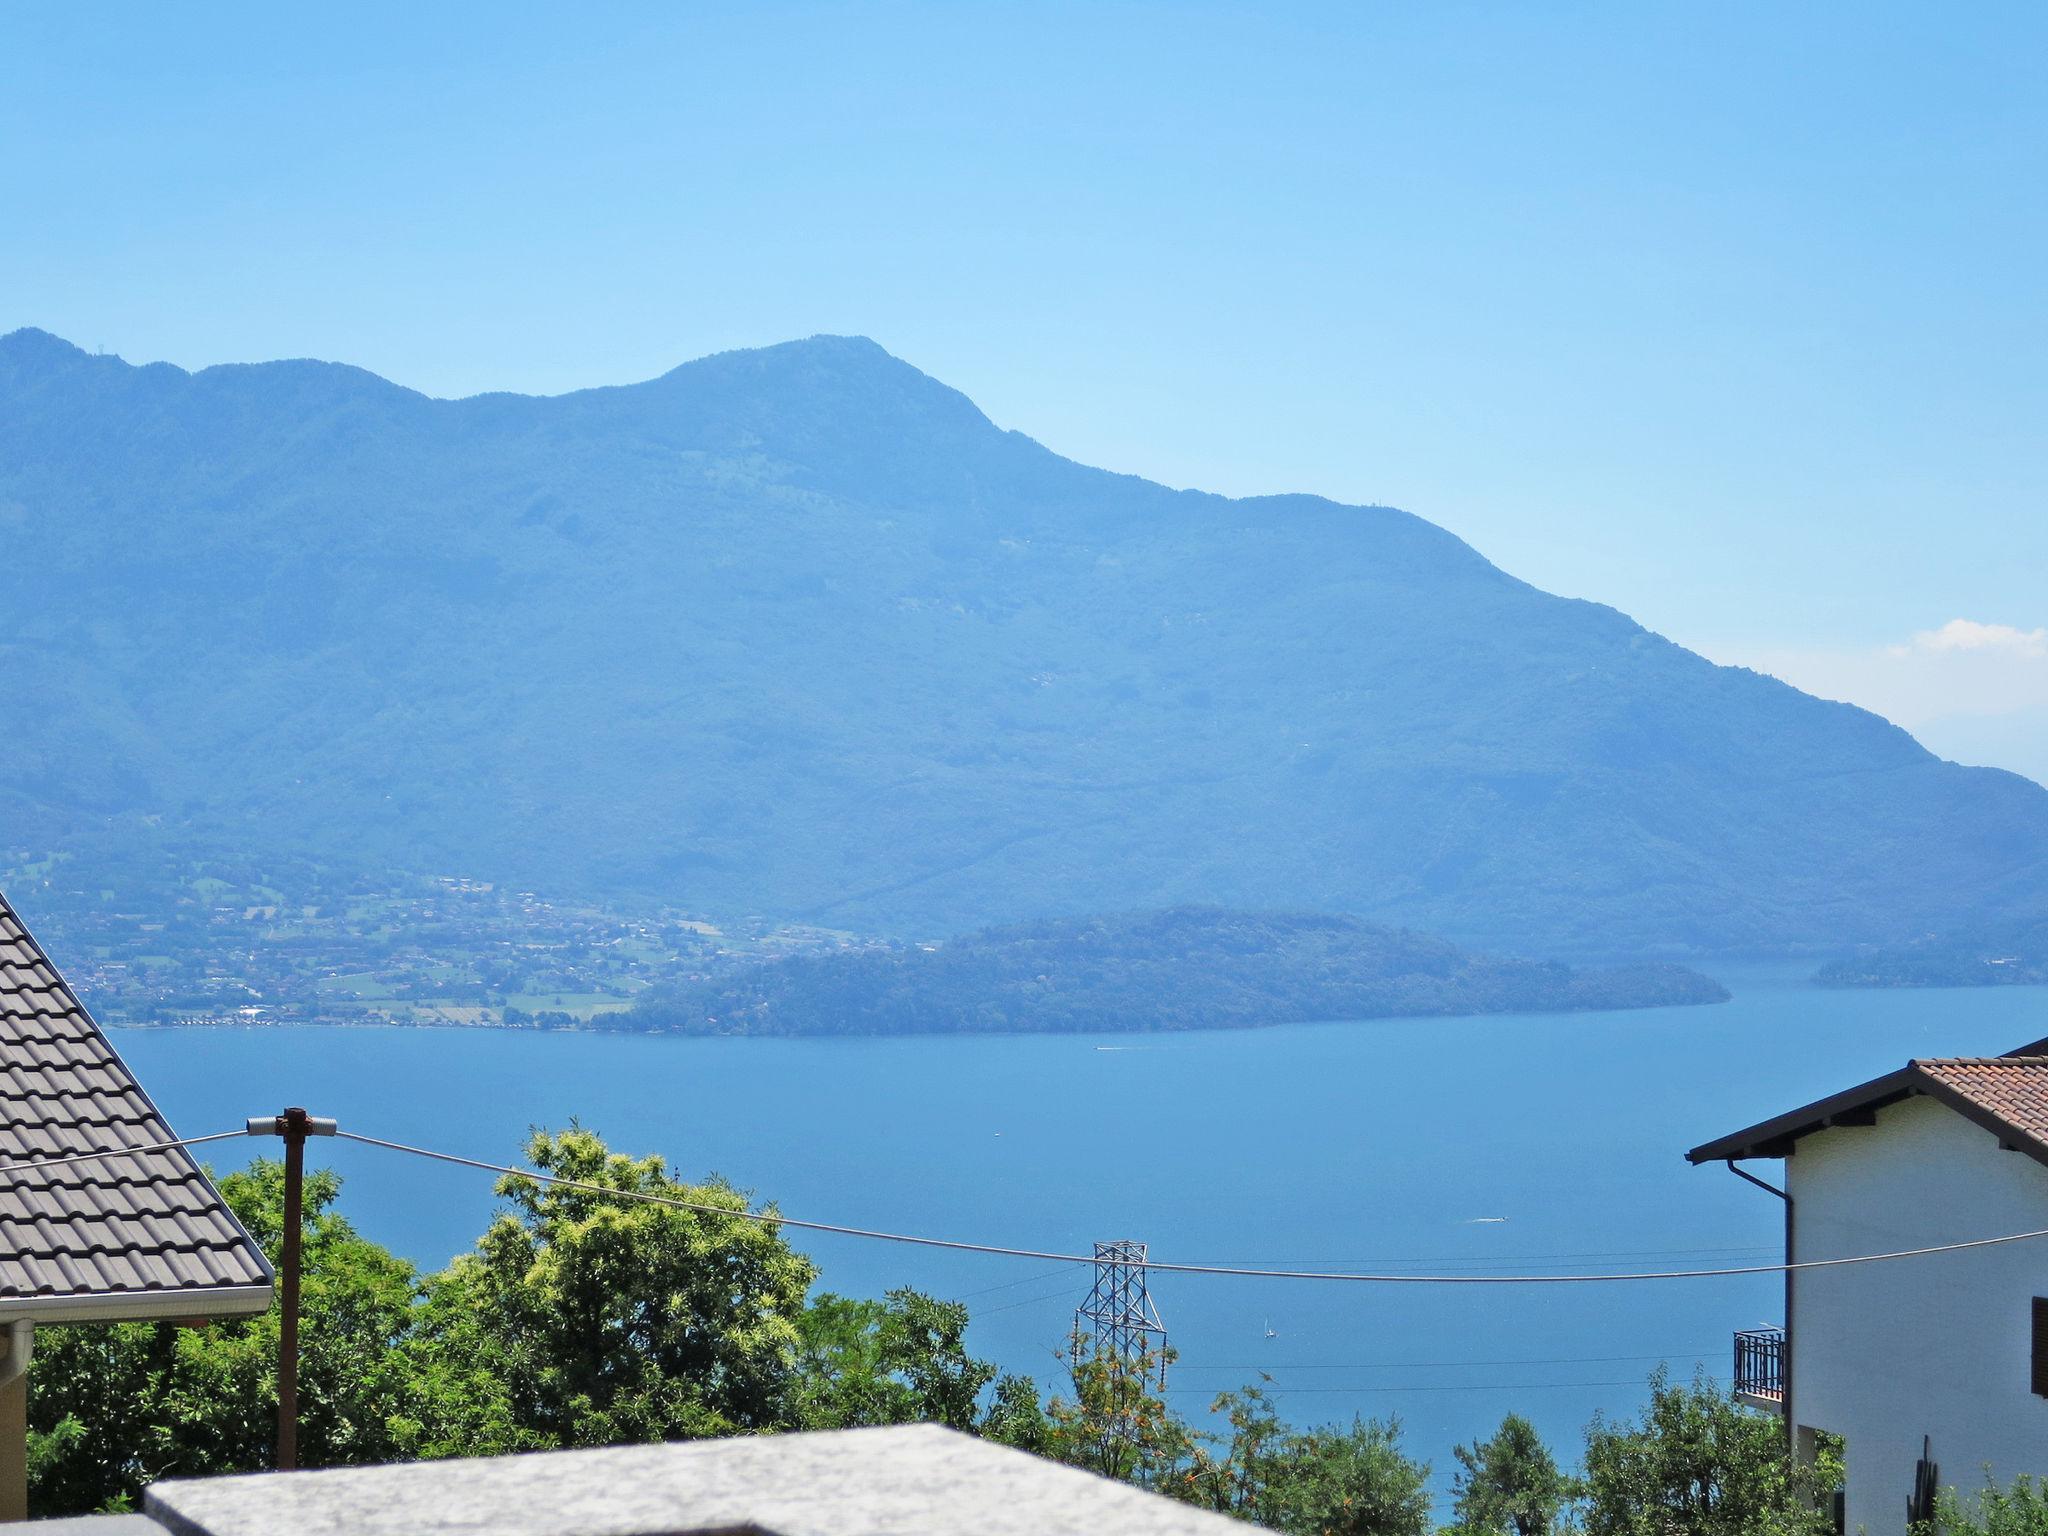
<point x="1542" y="1143"/>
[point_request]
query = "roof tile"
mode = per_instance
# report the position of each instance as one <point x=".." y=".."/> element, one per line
<point x="113" y="1226"/>
<point x="2014" y="1089"/>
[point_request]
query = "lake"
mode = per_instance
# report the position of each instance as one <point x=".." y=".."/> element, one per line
<point x="1540" y="1143"/>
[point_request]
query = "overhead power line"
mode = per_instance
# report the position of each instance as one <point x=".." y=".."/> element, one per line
<point x="1432" y="1365"/>
<point x="1011" y="1285"/>
<point x="1063" y="1294"/>
<point x="1543" y="1260"/>
<point x="1047" y="1256"/>
<point x="37" y="1164"/>
<point x="1477" y="1386"/>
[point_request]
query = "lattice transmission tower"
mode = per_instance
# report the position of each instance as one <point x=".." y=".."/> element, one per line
<point x="1118" y="1314"/>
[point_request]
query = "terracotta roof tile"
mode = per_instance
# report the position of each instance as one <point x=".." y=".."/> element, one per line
<point x="2007" y="1095"/>
<point x="2012" y="1089"/>
<point x="143" y="1226"/>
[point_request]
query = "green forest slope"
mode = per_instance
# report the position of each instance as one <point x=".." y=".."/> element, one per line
<point x="1192" y="968"/>
<point x="799" y="632"/>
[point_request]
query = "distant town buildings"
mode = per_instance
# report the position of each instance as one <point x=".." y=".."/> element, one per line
<point x="288" y="947"/>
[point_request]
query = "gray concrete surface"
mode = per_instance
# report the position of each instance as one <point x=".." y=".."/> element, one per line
<point x="915" y="1480"/>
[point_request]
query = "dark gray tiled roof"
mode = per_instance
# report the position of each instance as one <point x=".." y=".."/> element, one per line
<point x="142" y="1236"/>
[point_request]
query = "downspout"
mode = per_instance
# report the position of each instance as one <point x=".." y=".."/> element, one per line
<point x="21" y="1343"/>
<point x="1785" y="1368"/>
<point x="21" y="1339"/>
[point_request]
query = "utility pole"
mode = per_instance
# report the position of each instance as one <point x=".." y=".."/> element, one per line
<point x="294" y="1125"/>
<point x="1119" y="1313"/>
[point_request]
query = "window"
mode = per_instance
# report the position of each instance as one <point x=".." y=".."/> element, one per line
<point x="2040" y="1349"/>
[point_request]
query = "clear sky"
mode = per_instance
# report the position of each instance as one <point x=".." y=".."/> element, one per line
<point x="1732" y="315"/>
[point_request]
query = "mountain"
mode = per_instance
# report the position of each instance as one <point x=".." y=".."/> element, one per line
<point x="1191" y="968"/>
<point x="799" y="632"/>
<point x="2006" y="957"/>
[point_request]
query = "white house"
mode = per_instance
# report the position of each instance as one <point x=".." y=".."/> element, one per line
<point x="1933" y="1368"/>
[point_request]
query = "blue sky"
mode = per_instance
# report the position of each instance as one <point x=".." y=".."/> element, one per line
<point x="1730" y="315"/>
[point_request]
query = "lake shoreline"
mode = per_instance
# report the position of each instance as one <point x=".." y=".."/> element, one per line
<point x="264" y="1026"/>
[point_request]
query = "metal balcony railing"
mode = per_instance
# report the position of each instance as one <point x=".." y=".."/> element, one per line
<point x="1760" y="1366"/>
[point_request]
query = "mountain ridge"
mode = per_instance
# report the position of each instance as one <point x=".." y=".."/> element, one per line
<point x="799" y="630"/>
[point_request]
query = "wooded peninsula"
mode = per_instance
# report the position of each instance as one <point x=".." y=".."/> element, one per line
<point x="1180" y="969"/>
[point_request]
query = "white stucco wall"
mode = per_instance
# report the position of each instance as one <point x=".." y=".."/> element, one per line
<point x="1884" y="1354"/>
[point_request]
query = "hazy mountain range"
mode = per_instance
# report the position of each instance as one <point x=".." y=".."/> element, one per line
<point x="798" y="631"/>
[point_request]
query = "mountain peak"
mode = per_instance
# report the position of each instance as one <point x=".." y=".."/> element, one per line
<point x="852" y="357"/>
<point x="833" y="344"/>
<point x="795" y="631"/>
<point x="841" y="385"/>
<point x="31" y="350"/>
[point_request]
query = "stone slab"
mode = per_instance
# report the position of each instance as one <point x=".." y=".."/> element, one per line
<point x="914" y="1480"/>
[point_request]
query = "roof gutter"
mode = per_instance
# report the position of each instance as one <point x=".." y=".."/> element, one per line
<point x="1852" y="1106"/>
<point x="1791" y="1280"/>
<point x="137" y="1306"/>
<point x="21" y="1343"/>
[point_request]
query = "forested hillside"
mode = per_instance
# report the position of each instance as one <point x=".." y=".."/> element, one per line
<point x="2004" y="955"/>
<point x="800" y="632"/>
<point x="1192" y="968"/>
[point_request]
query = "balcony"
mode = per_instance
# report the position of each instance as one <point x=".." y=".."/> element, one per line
<point x="1760" y="1368"/>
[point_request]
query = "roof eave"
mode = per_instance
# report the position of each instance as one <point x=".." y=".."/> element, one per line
<point x="1774" y="1137"/>
<point x="2011" y="1137"/>
<point x="140" y="1306"/>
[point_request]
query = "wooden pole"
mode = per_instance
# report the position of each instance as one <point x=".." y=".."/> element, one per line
<point x="292" y="1126"/>
<point x="14" y="1449"/>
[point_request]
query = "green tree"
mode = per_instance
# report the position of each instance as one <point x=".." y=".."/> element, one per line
<point x="2021" y="1510"/>
<point x="845" y="1377"/>
<point x="1347" y="1481"/>
<point x="899" y="1361"/>
<point x="1238" y="1481"/>
<point x="1699" y="1464"/>
<point x="581" y="1318"/>
<point x="1330" y="1481"/>
<point x="600" y="1321"/>
<point x="927" y="1347"/>
<point x="1016" y="1417"/>
<point x="1116" y="1422"/>
<point x="114" y="1407"/>
<point x="1510" y="1485"/>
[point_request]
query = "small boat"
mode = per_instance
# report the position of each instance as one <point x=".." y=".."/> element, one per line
<point x="1269" y="1329"/>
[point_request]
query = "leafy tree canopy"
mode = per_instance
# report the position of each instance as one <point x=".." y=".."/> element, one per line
<point x="1187" y="968"/>
<point x="1510" y="1485"/>
<point x="114" y="1407"/>
<point x="580" y="1318"/>
<point x="599" y="1321"/>
<point x="1699" y="1464"/>
<point x="2020" y="1510"/>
